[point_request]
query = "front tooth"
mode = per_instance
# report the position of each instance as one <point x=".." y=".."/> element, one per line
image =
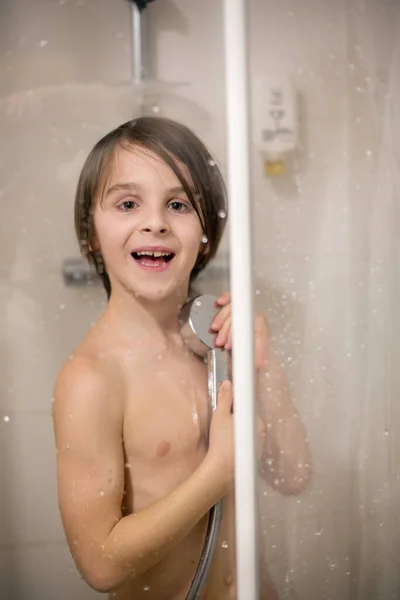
<point x="156" y="254"/>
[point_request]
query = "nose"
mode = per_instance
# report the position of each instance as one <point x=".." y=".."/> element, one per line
<point x="155" y="221"/>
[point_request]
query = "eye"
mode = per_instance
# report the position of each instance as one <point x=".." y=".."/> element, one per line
<point x="178" y="206"/>
<point x="127" y="205"/>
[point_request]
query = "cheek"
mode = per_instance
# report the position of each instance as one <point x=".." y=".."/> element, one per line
<point x="191" y="235"/>
<point x="110" y="231"/>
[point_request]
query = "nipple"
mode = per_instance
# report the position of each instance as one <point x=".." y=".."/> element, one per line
<point x="163" y="448"/>
<point x="228" y="580"/>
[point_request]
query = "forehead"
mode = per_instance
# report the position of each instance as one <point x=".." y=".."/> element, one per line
<point x="142" y="165"/>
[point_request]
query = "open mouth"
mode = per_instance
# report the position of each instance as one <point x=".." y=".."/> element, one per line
<point x="153" y="259"/>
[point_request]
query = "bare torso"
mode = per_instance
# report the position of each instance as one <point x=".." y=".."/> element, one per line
<point x="165" y="424"/>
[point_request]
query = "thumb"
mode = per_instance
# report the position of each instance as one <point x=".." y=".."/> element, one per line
<point x="225" y="397"/>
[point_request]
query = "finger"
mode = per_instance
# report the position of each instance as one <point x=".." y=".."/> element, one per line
<point x="228" y="345"/>
<point x="225" y="397"/>
<point x="223" y="335"/>
<point x="221" y="317"/>
<point x="223" y="299"/>
<point x="261" y="429"/>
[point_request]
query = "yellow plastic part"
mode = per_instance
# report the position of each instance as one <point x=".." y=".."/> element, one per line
<point x="274" y="168"/>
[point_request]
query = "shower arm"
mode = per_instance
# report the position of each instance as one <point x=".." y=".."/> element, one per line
<point x="137" y="39"/>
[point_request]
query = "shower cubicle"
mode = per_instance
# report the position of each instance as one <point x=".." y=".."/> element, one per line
<point x="312" y="242"/>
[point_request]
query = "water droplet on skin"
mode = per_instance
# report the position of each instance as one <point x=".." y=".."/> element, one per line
<point x="146" y="588"/>
<point x="204" y="239"/>
<point x="224" y="544"/>
<point x="6" y="419"/>
<point x="101" y="493"/>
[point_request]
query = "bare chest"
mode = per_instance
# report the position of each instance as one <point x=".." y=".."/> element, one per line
<point x="165" y="424"/>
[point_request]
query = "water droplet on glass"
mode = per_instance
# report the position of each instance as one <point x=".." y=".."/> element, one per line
<point x="204" y="239"/>
<point x="222" y="214"/>
<point x="101" y="493"/>
<point x="258" y="292"/>
<point x="43" y="43"/>
<point x="224" y="544"/>
<point x="62" y="306"/>
<point x="212" y="162"/>
<point x="155" y="108"/>
<point x="6" y="419"/>
<point x="319" y="532"/>
<point x="386" y="432"/>
<point x="146" y="588"/>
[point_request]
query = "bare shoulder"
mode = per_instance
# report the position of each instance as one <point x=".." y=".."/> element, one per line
<point x="88" y="382"/>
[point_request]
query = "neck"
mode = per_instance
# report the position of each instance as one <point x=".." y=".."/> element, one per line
<point x="155" y="319"/>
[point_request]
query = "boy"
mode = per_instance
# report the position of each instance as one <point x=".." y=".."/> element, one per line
<point x="137" y="471"/>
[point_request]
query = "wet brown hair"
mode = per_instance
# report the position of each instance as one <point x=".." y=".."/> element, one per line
<point x="182" y="151"/>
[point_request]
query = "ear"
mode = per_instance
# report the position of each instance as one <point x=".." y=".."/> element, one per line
<point x="93" y="245"/>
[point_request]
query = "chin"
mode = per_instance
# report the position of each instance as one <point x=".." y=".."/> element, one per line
<point x="158" y="291"/>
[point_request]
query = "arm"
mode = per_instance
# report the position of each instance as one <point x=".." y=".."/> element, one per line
<point x="107" y="547"/>
<point x="286" y="460"/>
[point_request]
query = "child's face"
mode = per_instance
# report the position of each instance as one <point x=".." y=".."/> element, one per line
<point x="144" y="210"/>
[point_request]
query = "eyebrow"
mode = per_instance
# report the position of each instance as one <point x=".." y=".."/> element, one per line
<point x="130" y="186"/>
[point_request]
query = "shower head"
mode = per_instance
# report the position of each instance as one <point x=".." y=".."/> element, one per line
<point x="195" y="320"/>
